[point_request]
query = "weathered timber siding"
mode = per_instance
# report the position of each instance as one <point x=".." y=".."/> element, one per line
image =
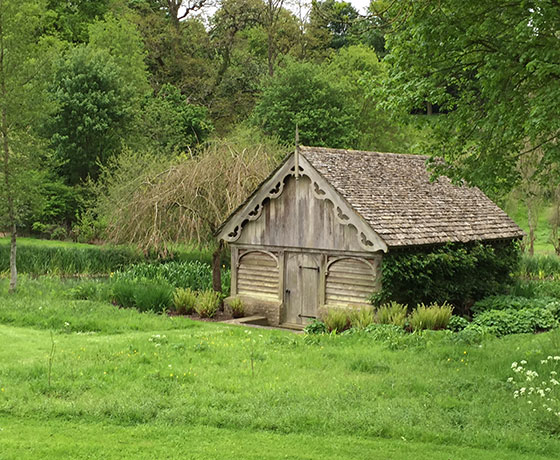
<point x="258" y="274"/>
<point x="298" y="219"/>
<point x="350" y="281"/>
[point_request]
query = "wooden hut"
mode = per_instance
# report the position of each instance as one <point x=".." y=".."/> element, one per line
<point x="314" y="232"/>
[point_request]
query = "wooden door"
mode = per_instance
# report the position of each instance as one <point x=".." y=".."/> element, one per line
<point x="301" y="287"/>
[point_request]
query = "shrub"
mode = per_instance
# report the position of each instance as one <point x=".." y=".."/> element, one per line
<point x="504" y="322"/>
<point x="237" y="308"/>
<point x="207" y="304"/>
<point x="153" y="296"/>
<point x="473" y="334"/>
<point x="433" y="317"/>
<point x="184" y="301"/>
<point x="123" y="293"/>
<point x="337" y="320"/>
<point x="361" y="318"/>
<point x="92" y="290"/>
<point x="457" y="323"/>
<point x="506" y="302"/>
<point x="315" y="327"/>
<point x="384" y="332"/>
<point x="392" y="313"/>
<point x="454" y="273"/>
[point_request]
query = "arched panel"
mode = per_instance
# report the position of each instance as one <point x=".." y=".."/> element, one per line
<point x="349" y="281"/>
<point x="258" y="274"/>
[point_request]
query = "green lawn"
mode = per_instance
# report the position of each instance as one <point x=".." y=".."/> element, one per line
<point x="131" y="385"/>
<point x="518" y="212"/>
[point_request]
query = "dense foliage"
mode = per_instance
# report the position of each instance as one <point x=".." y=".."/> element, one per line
<point x="456" y="273"/>
<point x="492" y="70"/>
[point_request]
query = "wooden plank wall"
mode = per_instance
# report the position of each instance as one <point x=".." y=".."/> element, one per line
<point x="350" y="281"/>
<point x="258" y="275"/>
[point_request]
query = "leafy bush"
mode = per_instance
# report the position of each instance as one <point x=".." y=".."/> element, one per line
<point x="473" y="334"/>
<point x="506" y="302"/>
<point x="504" y="322"/>
<point x="454" y="273"/>
<point x="361" y="318"/>
<point x="433" y="317"/>
<point x="184" y="301"/>
<point x="457" y="323"/>
<point x="384" y="332"/>
<point x="237" y="308"/>
<point x="315" y="327"/>
<point x="92" y="290"/>
<point x="392" y="313"/>
<point x="153" y="296"/>
<point x="207" y="304"/>
<point x="337" y="320"/>
<point x="123" y="293"/>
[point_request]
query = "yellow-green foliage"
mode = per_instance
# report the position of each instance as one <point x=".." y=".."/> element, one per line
<point x="207" y="303"/>
<point x="360" y="318"/>
<point x="184" y="301"/>
<point x="237" y="308"/>
<point x="392" y="313"/>
<point x="432" y="317"/>
<point x="337" y="319"/>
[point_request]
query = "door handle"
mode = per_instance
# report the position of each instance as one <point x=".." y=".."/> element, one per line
<point x="287" y="291"/>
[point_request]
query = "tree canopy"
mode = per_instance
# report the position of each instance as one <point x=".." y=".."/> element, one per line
<point x="492" y="70"/>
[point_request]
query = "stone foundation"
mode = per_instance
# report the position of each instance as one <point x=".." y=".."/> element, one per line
<point x="271" y="309"/>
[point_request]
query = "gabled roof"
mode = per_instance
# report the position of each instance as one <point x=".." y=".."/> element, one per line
<point x="395" y="196"/>
<point x="387" y="197"/>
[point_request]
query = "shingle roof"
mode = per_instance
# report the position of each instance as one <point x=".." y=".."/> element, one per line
<point x="395" y="196"/>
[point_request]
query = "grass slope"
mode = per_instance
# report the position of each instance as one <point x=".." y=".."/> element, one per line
<point x="131" y="385"/>
<point x="518" y="212"/>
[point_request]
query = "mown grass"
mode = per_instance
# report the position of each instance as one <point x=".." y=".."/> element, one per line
<point x="147" y="386"/>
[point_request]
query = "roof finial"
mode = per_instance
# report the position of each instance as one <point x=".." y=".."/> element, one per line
<point x="296" y="154"/>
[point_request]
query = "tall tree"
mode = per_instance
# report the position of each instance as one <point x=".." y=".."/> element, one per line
<point x="23" y="60"/>
<point x="493" y="69"/>
<point x="93" y="113"/>
<point x="303" y="93"/>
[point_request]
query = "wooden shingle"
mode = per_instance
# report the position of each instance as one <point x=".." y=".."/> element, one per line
<point x="394" y="195"/>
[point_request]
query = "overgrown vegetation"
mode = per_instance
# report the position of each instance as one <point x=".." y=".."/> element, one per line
<point x="455" y="273"/>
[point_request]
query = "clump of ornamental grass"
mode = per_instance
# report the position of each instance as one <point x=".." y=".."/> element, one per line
<point x="184" y="301"/>
<point x="392" y="313"/>
<point x="432" y="317"/>
<point x="337" y="320"/>
<point x="360" y="318"/>
<point x="207" y="304"/>
<point x="237" y="307"/>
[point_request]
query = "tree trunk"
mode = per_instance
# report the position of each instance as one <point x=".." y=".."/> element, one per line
<point x="13" y="267"/>
<point x="217" y="267"/>
<point x="429" y="108"/>
<point x="532" y="216"/>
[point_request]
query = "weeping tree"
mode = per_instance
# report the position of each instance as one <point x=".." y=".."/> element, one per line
<point x="155" y="204"/>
